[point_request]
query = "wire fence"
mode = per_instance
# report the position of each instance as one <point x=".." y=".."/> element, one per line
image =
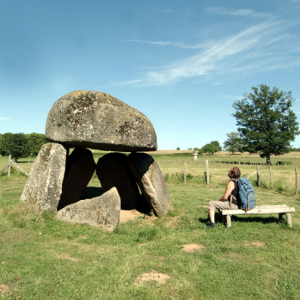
<point x="281" y="177"/>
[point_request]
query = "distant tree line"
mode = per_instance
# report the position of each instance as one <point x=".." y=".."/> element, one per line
<point x="210" y="148"/>
<point x="20" y="145"/>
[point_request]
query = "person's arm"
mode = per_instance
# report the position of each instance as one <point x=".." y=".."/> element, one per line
<point x="229" y="189"/>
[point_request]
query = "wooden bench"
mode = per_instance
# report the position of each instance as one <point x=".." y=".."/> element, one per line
<point x="260" y="210"/>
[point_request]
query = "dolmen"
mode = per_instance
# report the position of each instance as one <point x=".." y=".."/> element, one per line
<point x="86" y="120"/>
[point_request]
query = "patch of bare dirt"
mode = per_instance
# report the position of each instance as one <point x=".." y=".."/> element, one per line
<point x="129" y="215"/>
<point x="65" y="256"/>
<point x="193" y="247"/>
<point x="4" y="289"/>
<point x="255" y="244"/>
<point x="154" y="276"/>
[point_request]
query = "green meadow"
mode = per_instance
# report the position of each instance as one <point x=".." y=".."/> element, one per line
<point x="146" y="258"/>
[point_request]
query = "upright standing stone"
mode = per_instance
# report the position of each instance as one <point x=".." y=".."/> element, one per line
<point x="101" y="211"/>
<point x="97" y="120"/>
<point x="79" y="171"/>
<point x="151" y="182"/>
<point x="113" y="171"/>
<point x="44" y="183"/>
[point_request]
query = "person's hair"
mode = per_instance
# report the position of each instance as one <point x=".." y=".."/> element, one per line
<point x="236" y="172"/>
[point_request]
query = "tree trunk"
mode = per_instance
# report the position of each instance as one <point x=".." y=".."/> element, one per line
<point x="268" y="159"/>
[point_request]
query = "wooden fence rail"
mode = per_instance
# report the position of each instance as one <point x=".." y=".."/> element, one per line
<point x="12" y="164"/>
<point x="257" y="172"/>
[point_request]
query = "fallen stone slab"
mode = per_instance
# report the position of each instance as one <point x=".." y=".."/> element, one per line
<point x="44" y="183"/>
<point x="79" y="171"/>
<point x="91" y="119"/>
<point x="102" y="211"/>
<point x="151" y="182"/>
<point x="113" y="171"/>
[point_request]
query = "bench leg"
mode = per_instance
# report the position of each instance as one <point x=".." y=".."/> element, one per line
<point x="228" y="219"/>
<point x="289" y="219"/>
<point x="280" y="216"/>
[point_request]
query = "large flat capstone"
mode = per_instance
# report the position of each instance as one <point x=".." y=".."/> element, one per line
<point x="44" y="183"/>
<point x="151" y="182"/>
<point x="103" y="211"/>
<point x="97" y="120"/>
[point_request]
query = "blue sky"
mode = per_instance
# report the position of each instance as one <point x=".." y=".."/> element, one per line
<point x="181" y="63"/>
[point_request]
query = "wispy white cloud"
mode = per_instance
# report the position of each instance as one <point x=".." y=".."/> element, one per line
<point x="262" y="47"/>
<point x="174" y="44"/>
<point x="295" y="1"/>
<point x="124" y="83"/>
<point x="236" y="12"/>
<point x="4" y="118"/>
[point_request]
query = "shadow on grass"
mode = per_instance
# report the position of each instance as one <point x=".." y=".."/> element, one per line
<point x="247" y="219"/>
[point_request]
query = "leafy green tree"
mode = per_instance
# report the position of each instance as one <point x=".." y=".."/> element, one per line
<point x="209" y="148"/>
<point x="266" y="121"/>
<point x="2" y="152"/>
<point x="233" y="143"/>
<point x="217" y="145"/>
<point x="200" y="150"/>
<point x="178" y="148"/>
<point x="35" y="142"/>
<point x="14" y="144"/>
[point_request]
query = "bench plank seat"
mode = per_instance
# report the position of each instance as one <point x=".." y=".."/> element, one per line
<point x="260" y="210"/>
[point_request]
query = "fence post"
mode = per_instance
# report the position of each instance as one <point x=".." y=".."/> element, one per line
<point x="9" y="165"/>
<point x="184" y="173"/>
<point x="296" y="181"/>
<point x="258" y="178"/>
<point x="207" y="172"/>
<point x="271" y="177"/>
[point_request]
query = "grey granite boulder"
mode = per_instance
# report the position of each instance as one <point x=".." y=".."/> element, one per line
<point x="151" y="182"/>
<point x="113" y="171"/>
<point x="102" y="211"/>
<point x="97" y="120"/>
<point x="79" y="171"/>
<point x="44" y="183"/>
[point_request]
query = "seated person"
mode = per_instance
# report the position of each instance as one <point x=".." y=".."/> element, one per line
<point x="224" y="202"/>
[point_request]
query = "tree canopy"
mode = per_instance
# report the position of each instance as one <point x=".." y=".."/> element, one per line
<point x="233" y="143"/>
<point x="209" y="148"/>
<point x="217" y="146"/>
<point x="14" y="144"/>
<point x="20" y="145"/>
<point x="35" y="142"/>
<point x="266" y="122"/>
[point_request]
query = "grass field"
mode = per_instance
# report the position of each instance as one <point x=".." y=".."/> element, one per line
<point x="257" y="258"/>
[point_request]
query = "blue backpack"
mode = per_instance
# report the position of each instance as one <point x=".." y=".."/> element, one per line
<point x="246" y="194"/>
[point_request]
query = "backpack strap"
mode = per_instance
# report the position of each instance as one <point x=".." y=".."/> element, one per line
<point x="230" y="201"/>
